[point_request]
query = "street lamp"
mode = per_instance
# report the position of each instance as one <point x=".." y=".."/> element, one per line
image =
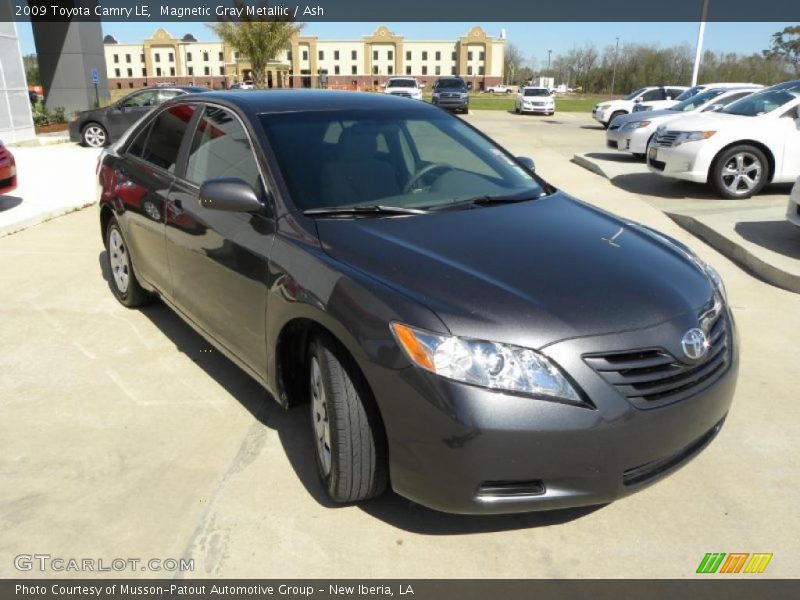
<point x="548" y="61"/>
<point x="699" y="51"/>
<point x="614" y="73"/>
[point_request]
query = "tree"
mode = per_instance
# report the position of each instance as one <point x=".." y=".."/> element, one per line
<point x="31" y="65"/>
<point x="786" y="46"/>
<point x="513" y="61"/>
<point x="260" y="41"/>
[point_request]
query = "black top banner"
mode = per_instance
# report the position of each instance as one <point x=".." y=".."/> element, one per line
<point x="409" y="10"/>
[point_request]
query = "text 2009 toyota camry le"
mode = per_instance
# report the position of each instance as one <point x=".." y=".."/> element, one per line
<point x="462" y="331"/>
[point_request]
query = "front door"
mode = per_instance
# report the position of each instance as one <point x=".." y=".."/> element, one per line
<point x="129" y="110"/>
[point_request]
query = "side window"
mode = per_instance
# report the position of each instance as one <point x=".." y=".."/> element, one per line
<point x="220" y="148"/>
<point x="674" y="92"/>
<point x="161" y="146"/>
<point x="147" y="98"/>
<point x="733" y="98"/>
<point x="164" y="95"/>
<point x="650" y="96"/>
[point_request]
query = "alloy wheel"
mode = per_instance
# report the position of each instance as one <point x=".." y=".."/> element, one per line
<point x="94" y="136"/>
<point x="118" y="258"/>
<point x="320" y="418"/>
<point x="741" y="173"/>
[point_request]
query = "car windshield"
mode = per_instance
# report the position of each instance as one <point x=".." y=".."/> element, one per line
<point x="761" y="103"/>
<point x="448" y="84"/>
<point x="696" y="101"/>
<point x="536" y="92"/>
<point x="634" y="93"/>
<point x="690" y="93"/>
<point x="402" y="83"/>
<point x="400" y="158"/>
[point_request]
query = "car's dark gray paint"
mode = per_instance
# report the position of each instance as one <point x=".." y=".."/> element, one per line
<point x="553" y="274"/>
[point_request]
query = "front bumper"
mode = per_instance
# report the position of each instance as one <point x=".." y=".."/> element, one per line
<point x="74" y="131"/>
<point x="688" y="161"/>
<point x="632" y="141"/>
<point x="451" y="103"/>
<point x="8" y="179"/>
<point x="793" y="209"/>
<point x="599" y="115"/>
<point x="449" y="443"/>
<point x="542" y="109"/>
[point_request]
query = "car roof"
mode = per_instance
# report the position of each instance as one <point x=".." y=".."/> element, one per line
<point x="298" y="100"/>
<point x="787" y="85"/>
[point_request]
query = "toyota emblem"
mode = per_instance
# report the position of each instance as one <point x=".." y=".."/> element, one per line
<point x="695" y="344"/>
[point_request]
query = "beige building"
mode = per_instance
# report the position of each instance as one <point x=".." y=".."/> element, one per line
<point x="310" y="62"/>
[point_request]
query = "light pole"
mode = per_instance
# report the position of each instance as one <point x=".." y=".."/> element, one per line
<point x="699" y="52"/>
<point x="614" y="72"/>
<point x="548" y="62"/>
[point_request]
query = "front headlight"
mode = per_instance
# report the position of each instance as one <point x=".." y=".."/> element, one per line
<point x="715" y="278"/>
<point x="692" y="136"/>
<point x="636" y="125"/>
<point x="485" y="364"/>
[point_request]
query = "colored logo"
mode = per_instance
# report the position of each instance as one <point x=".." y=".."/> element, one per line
<point x="734" y="562"/>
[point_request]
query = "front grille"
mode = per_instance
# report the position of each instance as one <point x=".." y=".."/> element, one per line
<point x="611" y="143"/>
<point x="666" y="139"/>
<point x="450" y="96"/>
<point x="653" y="377"/>
<point x="403" y="94"/>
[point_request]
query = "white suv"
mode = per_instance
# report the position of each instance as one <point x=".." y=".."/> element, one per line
<point x="737" y="150"/>
<point x="631" y="133"/>
<point x="406" y="87"/>
<point x="605" y="112"/>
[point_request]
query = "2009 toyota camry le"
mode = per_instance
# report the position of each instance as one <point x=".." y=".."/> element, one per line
<point x="461" y="330"/>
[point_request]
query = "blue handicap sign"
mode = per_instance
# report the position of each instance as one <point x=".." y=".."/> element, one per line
<point x="95" y="76"/>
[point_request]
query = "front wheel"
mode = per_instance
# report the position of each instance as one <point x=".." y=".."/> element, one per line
<point x="94" y="135"/>
<point x="349" y="442"/>
<point x="739" y="172"/>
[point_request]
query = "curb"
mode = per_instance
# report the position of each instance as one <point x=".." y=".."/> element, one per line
<point x="739" y="254"/>
<point x="39" y="141"/>
<point x="41" y="218"/>
<point x="590" y="165"/>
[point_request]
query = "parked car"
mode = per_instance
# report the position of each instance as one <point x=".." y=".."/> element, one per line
<point x="406" y="87"/>
<point x="737" y="150"/>
<point x="605" y="112"/>
<point x="498" y="89"/>
<point x="451" y="93"/>
<point x="98" y="127"/>
<point x="351" y="251"/>
<point x="793" y="210"/>
<point x="631" y="133"/>
<point x="688" y="94"/>
<point x="242" y="85"/>
<point x="535" y="100"/>
<point x="8" y="170"/>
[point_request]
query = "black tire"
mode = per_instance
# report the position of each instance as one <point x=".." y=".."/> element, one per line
<point x="94" y="135"/>
<point x="638" y="156"/>
<point x="516" y="108"/>
<point x="355" y="466"/>
<point x="748" y="183"/>
<point x="123" y="282"/>
<point x="614" y="116"/>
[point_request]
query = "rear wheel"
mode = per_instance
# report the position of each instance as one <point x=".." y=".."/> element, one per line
<point x="349" y="441"/>
<point x="740" y="171"/>
<point x="94" y="135"/>
<point x="123" y="283"/>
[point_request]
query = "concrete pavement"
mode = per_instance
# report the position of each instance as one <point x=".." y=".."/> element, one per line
<point x="123" y="436"/>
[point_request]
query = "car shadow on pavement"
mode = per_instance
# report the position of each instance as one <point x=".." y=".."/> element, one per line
<point x="294" y="434"/>
<point x="595" y="127"/>
<point x="650" y="184"/>
<point x="8" y="202"/>
<point x="620" y="157"/>
<point x="780" y="237"/>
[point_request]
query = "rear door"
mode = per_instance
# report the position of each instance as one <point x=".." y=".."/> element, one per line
<point x="143" y="182"/>
<point x="220" y="260"/>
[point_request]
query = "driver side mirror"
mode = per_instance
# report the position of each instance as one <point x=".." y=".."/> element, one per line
<point x="527" y="162"/>
<point x="229" y="194"/>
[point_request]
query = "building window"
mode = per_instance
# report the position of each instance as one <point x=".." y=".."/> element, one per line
<point x="221" y="56"/>
<point x="188" y="56"/>
<point x="335" y="69"/>
<point x="127" y="58"/>
<point x="438" y="56"/>
<point x="454" y="56"/>
<point x="391" y="70"/>
<point x="469" y="55"/>
<point x="116" y="72"/>
<point x="205" y="58"/>
<point x="424" y="69"/>
<point x="374" y="55"/>
<point x="321" y="54"/>
<point x="158" y="57"/>
<point x="469" y="70"/>
<point x="408" y="69"/>
<point x="130" y="72"/>
<point x="453" y="71"/>
<point x="374" y="69"/>
<point x="305" y="54"/>
<point x="354" y="70"/>
<point x="408" y="54"/>
<point x="236" y="55"/>
<point x="158" y="71"/>
<point x="335" y="55"/>
<point x="191" y="71"/>
<point x="480" y="70"/>
<point x="289" y="55"/>
<point x="141" y="58"/>
<point x="206" y="71"/>
<point x="144" y="72"/>
<point x="116" y="58"/>
<point x="390" y="55"/>
<point x="172" y="71"/>
<point x="354" y="54"/>
<point x="171" y="57"/>
<point x="438" y="70"/>
<point x="424" y="55"/>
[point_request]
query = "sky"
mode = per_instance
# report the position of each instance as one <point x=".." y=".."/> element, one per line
<point x="533" y="39"/>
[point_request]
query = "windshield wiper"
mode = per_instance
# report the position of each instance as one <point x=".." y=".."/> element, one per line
<point x="358" y="211"/>
<point x="489" y="201"/>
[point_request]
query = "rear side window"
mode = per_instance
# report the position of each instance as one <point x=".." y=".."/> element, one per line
<point x="657" y="94"/>
<point x="220" y="148"/>
<point x="159" y="142"/>
<point x="146" y="98"/>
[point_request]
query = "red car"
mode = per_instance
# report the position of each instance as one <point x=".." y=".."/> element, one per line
<point x="8" y="170"/>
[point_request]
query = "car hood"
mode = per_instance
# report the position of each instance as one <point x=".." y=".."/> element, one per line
<point x="529" y="273"/>
<point x="706" y="121"/>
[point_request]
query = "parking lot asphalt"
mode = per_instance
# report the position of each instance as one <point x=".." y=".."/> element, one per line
<point x="124" y="435"/>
